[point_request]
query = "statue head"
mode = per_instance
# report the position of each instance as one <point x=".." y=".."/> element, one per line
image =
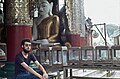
<point x="45" y="7"/>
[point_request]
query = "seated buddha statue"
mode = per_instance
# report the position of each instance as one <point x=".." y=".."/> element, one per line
<point x="46" y="25"/>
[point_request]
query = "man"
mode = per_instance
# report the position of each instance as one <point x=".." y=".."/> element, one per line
<point x="22" y="62"/>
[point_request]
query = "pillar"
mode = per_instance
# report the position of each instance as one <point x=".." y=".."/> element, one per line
<point x="76" y="23"/>
<point x="76" y="40"/>
<point x="18" y="23"/>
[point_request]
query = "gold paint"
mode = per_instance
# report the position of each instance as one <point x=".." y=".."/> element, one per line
<point x="49" y="29"/>
<point x="18" y="12"/>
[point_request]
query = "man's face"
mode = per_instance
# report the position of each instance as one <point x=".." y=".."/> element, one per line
<point x="26" y="47"/>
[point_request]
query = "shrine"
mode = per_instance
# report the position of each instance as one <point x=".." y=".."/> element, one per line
<point x="61" y="39"/>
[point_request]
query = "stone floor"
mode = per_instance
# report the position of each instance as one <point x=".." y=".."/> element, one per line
<point x="89" y="73"/>
<point x="114" y="74"/>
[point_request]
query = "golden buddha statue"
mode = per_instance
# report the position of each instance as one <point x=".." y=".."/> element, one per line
<point x="46" y="25"/>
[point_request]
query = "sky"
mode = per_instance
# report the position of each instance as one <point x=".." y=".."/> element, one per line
<point x="103" y="11"/>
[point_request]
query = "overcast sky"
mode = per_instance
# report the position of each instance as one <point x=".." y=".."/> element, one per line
<point x="103" y="11"/>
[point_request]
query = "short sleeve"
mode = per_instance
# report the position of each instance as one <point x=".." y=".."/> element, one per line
<point x="32" y="57"/>
<point x="19" y="59"/>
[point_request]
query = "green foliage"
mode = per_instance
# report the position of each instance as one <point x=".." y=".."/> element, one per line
<point x="111" y="28"/>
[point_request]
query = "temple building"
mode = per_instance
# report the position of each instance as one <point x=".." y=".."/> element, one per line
<point x="64" y="45"/>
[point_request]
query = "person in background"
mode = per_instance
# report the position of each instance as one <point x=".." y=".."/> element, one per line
<point x="22" y="62"/>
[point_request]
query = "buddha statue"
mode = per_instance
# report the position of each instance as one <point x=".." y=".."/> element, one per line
<point x="46" y="25"/>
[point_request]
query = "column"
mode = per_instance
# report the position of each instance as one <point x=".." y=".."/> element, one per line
<point x="76" y="22"/>
<point x="19" y="25"/>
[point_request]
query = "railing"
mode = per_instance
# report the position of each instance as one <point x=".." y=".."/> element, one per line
<point x="80" y="56"/>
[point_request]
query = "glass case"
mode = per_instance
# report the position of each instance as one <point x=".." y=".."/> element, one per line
<point x="102" y="56"/>
<point x="73" y="56"/>
<point x="44" y="55"/>
<point x="56" y="55"/>
<point x="115" y="50"/>
<point x="59" y="55"/>
<point x="102" y="53"/>
<point x="87" y="55"/>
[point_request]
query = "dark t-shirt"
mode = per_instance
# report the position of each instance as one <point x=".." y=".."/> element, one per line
<point x="20" y="59"/>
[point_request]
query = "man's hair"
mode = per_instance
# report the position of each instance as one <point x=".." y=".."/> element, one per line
<point x="25" y="40"/>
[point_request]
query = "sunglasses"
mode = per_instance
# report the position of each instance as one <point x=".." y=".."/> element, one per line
<point x="27" y="44"/>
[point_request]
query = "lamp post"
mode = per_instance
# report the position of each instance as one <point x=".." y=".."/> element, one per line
<point x="104" y="37"/>
<point x="101" y="33"/>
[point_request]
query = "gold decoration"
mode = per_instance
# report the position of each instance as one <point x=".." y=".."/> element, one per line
<point x="68" y="45"/>
<point x="18" y="12"/>
<point x="75" y="16"/>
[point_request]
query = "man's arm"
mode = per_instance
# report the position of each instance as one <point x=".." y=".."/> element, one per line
<point x="28" y="68"/>
<point x="42" y="69"/>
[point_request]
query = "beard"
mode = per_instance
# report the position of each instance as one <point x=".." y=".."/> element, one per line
<point x="26" y="51"/>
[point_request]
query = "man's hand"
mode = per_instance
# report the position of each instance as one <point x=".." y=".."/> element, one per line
<point x="40" y="77"/>
<point x="45" y="76"/>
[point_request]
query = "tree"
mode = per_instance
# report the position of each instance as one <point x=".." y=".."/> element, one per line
<point x="111" y="28"/>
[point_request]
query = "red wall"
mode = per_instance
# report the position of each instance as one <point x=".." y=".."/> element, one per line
<point x="76" y="40"/>
<point x="14" y="36"/>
